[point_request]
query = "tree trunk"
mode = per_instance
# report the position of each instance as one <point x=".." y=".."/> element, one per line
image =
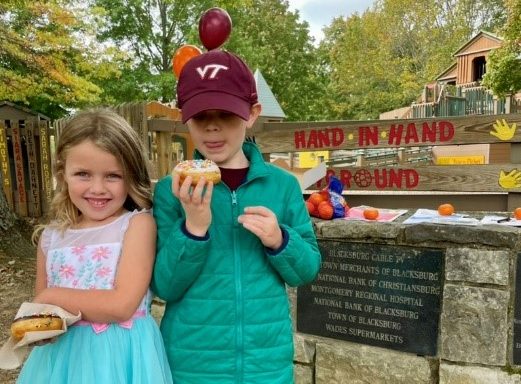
<point x="15" y="232"/>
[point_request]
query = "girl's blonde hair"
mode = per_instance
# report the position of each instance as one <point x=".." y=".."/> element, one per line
<point x="109" y="132"/>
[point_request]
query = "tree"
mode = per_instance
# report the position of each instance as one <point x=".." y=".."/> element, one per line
<point x="49" y="58"/>
<point x="45" y="66"/>
<point x="503" y="74"/>
<point x="150" y="32"/>
<point x="371" y="67"/>
<point x="270" y="38"/>
<point x="264" y="33"/>
<point x="16" y="59"/>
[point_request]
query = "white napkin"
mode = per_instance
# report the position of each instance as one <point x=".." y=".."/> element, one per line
<point x="14" y="351"/>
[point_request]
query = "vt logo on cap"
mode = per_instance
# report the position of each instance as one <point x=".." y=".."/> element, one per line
<point x="216" y="80"/>
<point x="213" y="69"/>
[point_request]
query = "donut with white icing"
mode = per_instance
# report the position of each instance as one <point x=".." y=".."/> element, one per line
<point x="197" y="169"/>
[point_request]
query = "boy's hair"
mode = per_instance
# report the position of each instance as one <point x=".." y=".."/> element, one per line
<point x="216" y="80"/>
<point x="110" y="132"/>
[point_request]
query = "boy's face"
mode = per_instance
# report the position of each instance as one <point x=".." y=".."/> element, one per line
<point x="219" y="135"/>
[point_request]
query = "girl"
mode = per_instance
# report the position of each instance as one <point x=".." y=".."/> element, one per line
<point x="96" y="256"/>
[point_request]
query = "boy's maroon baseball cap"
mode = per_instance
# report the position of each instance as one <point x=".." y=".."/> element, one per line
<point x="216" y="80"/>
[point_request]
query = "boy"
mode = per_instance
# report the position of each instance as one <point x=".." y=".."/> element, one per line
<point x="226" y="251"/>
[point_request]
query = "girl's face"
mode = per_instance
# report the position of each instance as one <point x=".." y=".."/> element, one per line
<point x="95" y="182"/>
<point x="219" y="135"/>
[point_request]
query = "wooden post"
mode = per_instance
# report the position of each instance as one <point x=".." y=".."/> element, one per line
<point x="45" y="169"/>
<point x="19" y="169"/>
<point x="5" y="168"/>
<point x="513" y="201"/>
<point x="141" y="120"/>
<point x="35" y="209"/>
<point x="164" y="143"/>
<point x="508" y="104"/>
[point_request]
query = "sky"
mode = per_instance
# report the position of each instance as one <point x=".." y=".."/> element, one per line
<point x="319" y="13"/>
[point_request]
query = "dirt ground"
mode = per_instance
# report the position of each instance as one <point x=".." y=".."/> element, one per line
<point x="16" y="286"/>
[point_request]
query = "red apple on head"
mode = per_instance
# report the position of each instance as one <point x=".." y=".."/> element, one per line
<point x="215" y="27"/>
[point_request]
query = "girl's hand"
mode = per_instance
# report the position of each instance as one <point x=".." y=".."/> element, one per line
<point x="264" y="224"/>
<point x="196" y="203"/>
<point x="40" y="343"/>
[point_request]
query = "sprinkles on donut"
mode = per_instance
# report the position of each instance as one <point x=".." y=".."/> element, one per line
<point x="197" y="169"/>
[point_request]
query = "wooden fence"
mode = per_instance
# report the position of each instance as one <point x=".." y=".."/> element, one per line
<point x="470" y="99"/>
<point x="491" y="186"/>
<point x="25" y="157"/>
<point x="409" y="177"/>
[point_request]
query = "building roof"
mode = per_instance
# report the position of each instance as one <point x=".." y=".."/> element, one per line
<point x="481" y="34"/>
<point x="270" y="105"/>
<point x="21" y="110"/>
<point x="451" y="72"/>
<point x="448" y="74"/>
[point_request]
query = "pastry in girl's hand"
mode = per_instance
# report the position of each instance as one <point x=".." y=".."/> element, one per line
<point x="197" y="169"/>
<point x="45" y="321"/>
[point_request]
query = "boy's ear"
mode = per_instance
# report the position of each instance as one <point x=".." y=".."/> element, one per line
<point x="255" y="111"/>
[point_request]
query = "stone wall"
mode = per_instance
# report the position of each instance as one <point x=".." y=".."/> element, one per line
<point x="475" y="341"/>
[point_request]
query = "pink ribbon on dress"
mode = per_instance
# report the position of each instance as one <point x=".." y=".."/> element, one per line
<point x="101" y="327"/>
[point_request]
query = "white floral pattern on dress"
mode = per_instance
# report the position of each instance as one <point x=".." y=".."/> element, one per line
<point x="70" y="268"/>
<point x="76" y="259"/>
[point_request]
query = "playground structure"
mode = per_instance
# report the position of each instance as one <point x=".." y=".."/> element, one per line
<point x="458" y="90"/>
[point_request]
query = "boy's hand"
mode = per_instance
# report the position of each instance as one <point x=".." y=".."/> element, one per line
<point x="264" y="224"/>
<point x="196" y="203"/>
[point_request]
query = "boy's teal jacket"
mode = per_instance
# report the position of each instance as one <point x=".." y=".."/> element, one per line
<point x="227" y="317"/>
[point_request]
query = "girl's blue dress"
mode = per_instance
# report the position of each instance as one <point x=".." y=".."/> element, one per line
<point x="131" y="352"/>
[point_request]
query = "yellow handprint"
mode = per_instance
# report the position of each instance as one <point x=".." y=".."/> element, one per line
<point x="512" y="180"/>
<point x="503" y="130"/>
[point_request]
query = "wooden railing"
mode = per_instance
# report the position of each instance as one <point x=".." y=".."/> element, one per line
<point x="470" y="99"/>
<point x="394" y="165"/>
<point x="495" y="186"/>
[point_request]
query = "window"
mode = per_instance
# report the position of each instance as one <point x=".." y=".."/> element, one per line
<point x="479" y="65"/>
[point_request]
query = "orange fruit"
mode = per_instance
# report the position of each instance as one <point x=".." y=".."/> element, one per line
<point x="324" y="193"/>
<point x="371" y="213"/>
<point x="517" y="213"/>
<point x="316" y="198"/>
<point x="446" y="209"/>
<point x="325" y="210"/>
<point x="312" y="208"/>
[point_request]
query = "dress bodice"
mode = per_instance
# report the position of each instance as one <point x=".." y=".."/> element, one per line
<point x="87" y="258"/>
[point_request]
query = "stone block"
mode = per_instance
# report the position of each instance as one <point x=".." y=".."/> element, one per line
<point x="304" y="348"/>
<point x="303" y="374"/>
<point x="343" y="229"/>
<point x="498" y="236"/>
<point x="474" y="325"/>
<point x="349" y="363"/>
<point x="478" y="266"/>
<point x="454" y="374"/>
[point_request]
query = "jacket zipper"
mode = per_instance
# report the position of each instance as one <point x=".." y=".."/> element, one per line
<point x="238" y="291"/>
